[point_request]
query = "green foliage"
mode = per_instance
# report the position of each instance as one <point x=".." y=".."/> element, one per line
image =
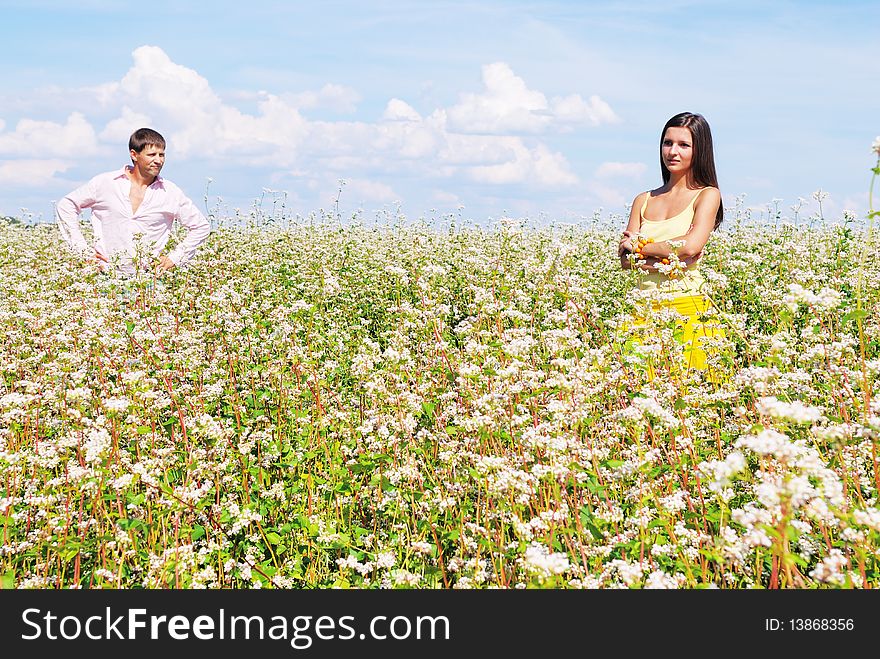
<point x="371" y="406"/>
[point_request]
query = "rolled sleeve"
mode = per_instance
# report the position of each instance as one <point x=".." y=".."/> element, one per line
<point x="67" y="215"/>
<point x="197" y="230"/>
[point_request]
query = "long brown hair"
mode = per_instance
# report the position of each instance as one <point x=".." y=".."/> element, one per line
<point x="702" y="172"/>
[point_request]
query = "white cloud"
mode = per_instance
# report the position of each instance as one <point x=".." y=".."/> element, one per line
<point x="332" y="97"/>
<point x="372" y="191"/>
<point x="610" y="197"/>
<point x="444" y="197"/>
<point x="120" y="129"/>
<point x="30" y="173"/>
<point x="459" y="149"/>
<point x="201" y="124"/>
<point x="537" y="166"/>
<point x="398" y="110"/>
<point x="409" y="140"/>
<point x="855" y="204"/>
<point x="158" y="82"/>
<point x="74" y="139"/>
<point x="574" y="110"/>
<point x="507" y="105"/>
<point x="620" y="170"/>
<point x="388" y="144"/>
<point x="479" y="139"/>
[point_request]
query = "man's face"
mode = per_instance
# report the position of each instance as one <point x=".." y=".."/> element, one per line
<point x="149" y="162"/>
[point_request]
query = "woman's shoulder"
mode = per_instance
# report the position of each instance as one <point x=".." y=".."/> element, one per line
<point x="640" y="198"/>
<point x="709" y="193"/>
<point x="656" y="192"/>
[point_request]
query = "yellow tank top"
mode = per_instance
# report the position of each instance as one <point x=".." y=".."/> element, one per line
<point x="672" y="227"/>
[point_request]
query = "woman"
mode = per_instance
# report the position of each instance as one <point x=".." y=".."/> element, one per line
<point x="669" y="227"/>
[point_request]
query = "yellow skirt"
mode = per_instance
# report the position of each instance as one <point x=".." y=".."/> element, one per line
<point x="693" y="331"/>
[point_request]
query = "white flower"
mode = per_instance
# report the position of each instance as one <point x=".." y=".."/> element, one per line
<point x="16" y="400"/>
<point x="875" y="147"/>
<point x="629" y="573"/>
<point x="97" y="442"/>
<point x="539" y="560"/>
<point x="651" y="407"/>
<point x="827" y="298"/>
<point x="349" y="562"/>
<point x="331" y="284"/>
<point x="723" y="471"/>
<point x="117" y="404"/>
<point x="831" y="568"/>
<point x="422" y="547"/>
<point x="769" y="442"/>
<point x="661" y="580"/>
<point x="796" y="412"/>
<point x="133" y="376"/>
<point x="119" y="484"/>
<point x="869" y="518"/>
<point x="406" y="578"/>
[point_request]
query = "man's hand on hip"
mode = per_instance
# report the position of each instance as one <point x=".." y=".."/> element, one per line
<point x="102" y="261"/>
<point x="165" y="264"/>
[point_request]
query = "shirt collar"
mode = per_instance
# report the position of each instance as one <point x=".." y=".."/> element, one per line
<point x="123" y="173"/>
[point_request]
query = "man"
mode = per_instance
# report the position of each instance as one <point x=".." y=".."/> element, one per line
<point x="130" y="205"/>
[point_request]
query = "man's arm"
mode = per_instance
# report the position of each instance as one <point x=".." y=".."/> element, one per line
<point x="67" y="217"/>
<point x="197" y="230"/>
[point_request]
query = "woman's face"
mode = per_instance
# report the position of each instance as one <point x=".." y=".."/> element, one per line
<point x="677" y="149"/>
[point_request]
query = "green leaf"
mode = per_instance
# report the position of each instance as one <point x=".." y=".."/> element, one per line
<point x="586" y="516"/>
<point x="197" y="532"/>
<point x="70" y="553"/>
<point x="7" y="581"/>
<point x="594" y="531"/>
<point x="273" y="538"/>
<point x="770" y="530"/>
<point x="136" y="499"/>
<point x="452" y="535"/>
<point x="855" y="314"/>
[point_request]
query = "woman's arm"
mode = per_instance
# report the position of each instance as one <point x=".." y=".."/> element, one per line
<point x="705" y="209"/>
<point x="632" y="228"/>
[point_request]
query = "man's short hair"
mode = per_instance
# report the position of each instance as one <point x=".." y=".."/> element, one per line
<point x="143" y="137"/>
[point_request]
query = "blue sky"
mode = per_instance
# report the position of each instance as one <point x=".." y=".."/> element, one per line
<point x="546" y="110"/>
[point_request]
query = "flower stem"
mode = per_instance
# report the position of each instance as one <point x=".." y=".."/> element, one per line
<point x="866" y="391"/>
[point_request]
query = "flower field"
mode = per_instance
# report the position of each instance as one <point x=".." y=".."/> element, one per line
<point x="320" y="404"/>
